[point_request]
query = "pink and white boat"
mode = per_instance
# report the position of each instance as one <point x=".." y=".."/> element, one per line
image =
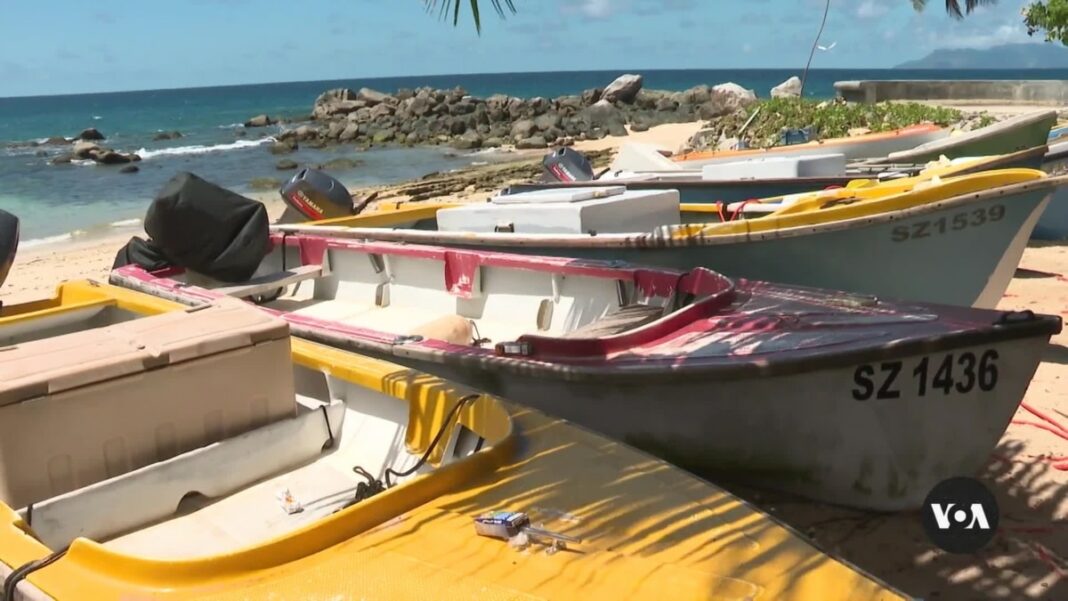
<point x="836" y="396"/>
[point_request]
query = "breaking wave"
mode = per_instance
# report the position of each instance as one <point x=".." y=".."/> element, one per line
<point x="200" y="149"/>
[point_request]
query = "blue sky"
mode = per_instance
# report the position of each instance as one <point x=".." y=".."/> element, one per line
<point x="68" y="46"/>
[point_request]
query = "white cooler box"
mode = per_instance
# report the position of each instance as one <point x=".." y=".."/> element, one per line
<point x="604" y="210"/>
<point x="816" y="165"/>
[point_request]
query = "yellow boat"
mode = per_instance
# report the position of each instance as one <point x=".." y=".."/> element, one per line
<point x="177" y="402"/>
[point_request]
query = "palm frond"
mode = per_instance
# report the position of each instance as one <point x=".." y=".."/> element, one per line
<point x="447" y="7"/>
<point x="954" y="8"/>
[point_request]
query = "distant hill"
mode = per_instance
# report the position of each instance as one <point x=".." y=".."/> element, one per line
<point x="1006" y="56"/>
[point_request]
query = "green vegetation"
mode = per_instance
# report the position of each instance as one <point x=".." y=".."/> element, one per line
<point x="1051" y="17"/>
<point x="829" y="119"/>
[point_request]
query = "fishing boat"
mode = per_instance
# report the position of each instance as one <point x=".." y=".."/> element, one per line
<point x="954" y="240"/>
<point x="1017" y="133"/>
<point x="268" y="468"/>
<point x="878" y="144"/>
<point x="735" y="378"/>
<point x="694" y="188"/>
<point x="1053" y="225"/>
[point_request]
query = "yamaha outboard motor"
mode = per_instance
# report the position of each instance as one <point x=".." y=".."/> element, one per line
<point x="566" y="165"/>
<point x="9" y="242"/>
<point x="315" y="195"/>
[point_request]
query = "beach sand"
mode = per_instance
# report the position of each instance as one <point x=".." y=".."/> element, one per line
<point x="1026" y="561"/>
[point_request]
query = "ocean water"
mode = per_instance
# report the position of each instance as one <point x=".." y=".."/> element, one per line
<point x="54" y="200"/>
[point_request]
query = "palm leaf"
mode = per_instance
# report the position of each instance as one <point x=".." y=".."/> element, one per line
<point x="445" y="7"/>
<point x="954" y="8"/>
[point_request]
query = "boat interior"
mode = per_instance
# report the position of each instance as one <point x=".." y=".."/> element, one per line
<point x="201" y="432"/>
<point x="462" y="297"/>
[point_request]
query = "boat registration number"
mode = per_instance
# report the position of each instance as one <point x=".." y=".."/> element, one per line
<point x="931" y="375"/>
<point x="936" y="227"/>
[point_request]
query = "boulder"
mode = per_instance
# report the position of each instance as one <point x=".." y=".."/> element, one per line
<point x="666" y="104"/>
<point x="590" y="96"/>
<point x="86" y="150"/>
<point x="339" y="164"/>
<point x="413" y="138"/>
<point x="306" y="132"/>
<point x="350" y="133"/>
<point x="55" y="141"/>
<point x="547" y="121"/>
<point x="284" y="146"/>
<point x="739" y="95"/>
<point x="373" y="97"/>
<point x="110" y="157"/>
<point x="333" y="131"/>
<point x="605" y="116"/>
<point x="717" y="106"/>
<point x="90" y="134"/>
<point x="285" y="165"/>
<point x="129" y="169"/>
<point x="384" y="135"/>
<point x="167" y="135"/>
<point x="789" y="88"/>
<point x="624" y="89"/>
<point x="694" y="96"/>
<point x="381" y="111"/>
<point x="63" y="159"/>
<point x="260" y="121"/>
<point x="468" y="141"/>
<point x="330" y="102"/>
<point x="523" y="128"/>
<point x="531" y="143"/>
<point x="492" y="142"/>
<point x="457" y="127"/>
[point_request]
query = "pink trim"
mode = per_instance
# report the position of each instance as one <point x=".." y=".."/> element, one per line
<point x="589" y="268"/>
<point x="546" y="346"/>
<point x="461" y="273"/>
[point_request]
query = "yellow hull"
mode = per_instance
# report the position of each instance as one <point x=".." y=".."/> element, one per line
<point x="648" y="529"/>
<point x="863" y="198"/>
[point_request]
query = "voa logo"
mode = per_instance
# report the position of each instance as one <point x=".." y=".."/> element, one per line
<point x="960" y="515"/>
<point x="973" y="517"/>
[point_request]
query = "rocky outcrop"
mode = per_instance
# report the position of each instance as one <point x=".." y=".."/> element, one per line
<point x="426" y="116"/>
<point x="285" y="165"/>
<point x="167" y="135"/>
<point x="624" y="89"/>
<point x="90" y="134"/>
<point x="129" y="169"/>
<point x="789" y="88"/>
<point x="339" y="101"/>
<point x="84" y="149"/>
<point x="260" y="121"/>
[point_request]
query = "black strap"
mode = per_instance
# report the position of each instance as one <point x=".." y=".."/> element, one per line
<point x="373" y="486"/>
<point x="20" y="573"/>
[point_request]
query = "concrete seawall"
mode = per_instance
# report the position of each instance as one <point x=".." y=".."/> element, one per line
<point x="1021" y="91"/>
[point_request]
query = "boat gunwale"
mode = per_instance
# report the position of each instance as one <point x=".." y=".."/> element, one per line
<point x="916" y="130"/>
<point x="596" y="368"/>
<point x="1003" y="161"/>
<point x="658" y="240"/>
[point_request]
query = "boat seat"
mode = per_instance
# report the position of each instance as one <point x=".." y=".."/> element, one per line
<point x="618" y="321"/>
<point x="91" y="405"/>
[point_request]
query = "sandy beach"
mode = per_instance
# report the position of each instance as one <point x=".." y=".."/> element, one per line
<point x="1029" y="558"/>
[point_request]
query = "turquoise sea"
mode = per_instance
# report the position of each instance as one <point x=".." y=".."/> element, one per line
<point x="55" y="200"/>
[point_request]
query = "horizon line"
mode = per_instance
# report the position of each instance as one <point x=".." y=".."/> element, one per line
<point x="639" y="71"/>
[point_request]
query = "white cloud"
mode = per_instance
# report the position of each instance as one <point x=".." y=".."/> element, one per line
<point x="597" y="9"/>
<point x="1006" y="33"/>
<point x="870" y="9"/>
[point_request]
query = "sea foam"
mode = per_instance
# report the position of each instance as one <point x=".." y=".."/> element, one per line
<point x="200" y="149"/>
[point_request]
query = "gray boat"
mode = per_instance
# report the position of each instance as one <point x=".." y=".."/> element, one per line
<point x="960" y="247"/>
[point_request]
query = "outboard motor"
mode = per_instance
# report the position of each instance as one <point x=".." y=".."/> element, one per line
<point x="9" y="242"/>
<point x="566" y="165"/>
<point x="315" y="195"/>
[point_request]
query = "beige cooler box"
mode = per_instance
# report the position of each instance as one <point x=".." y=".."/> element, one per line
<point x="83" y="407"/>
